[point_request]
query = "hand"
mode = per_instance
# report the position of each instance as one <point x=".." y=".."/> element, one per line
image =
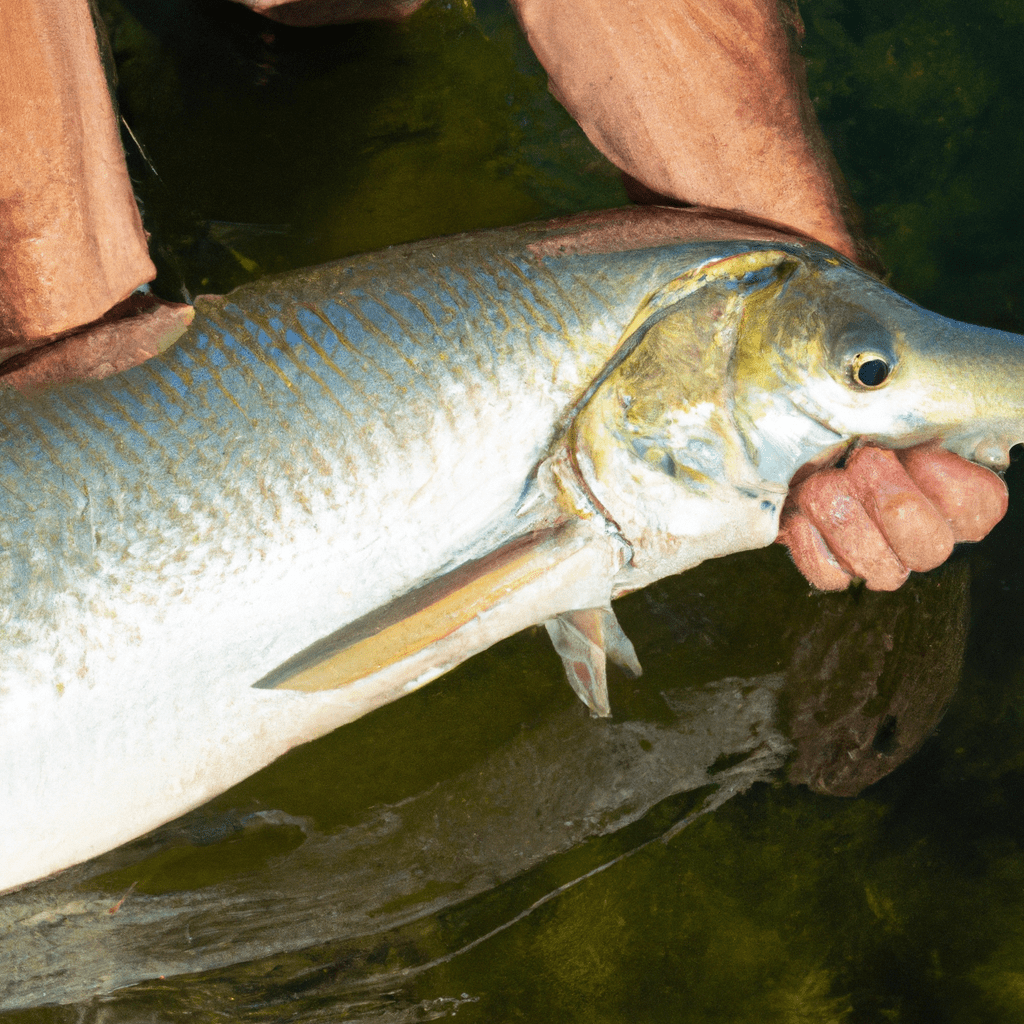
<point x="133" y="331"/>
<point x="886" y="514"/>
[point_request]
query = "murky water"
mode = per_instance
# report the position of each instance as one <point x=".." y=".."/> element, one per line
<point x="483" y="849"/>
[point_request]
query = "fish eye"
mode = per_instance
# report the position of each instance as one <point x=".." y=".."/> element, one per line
<point x="870" y="370"/>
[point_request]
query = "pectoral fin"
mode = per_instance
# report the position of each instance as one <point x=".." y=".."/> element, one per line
<point x="583" y="640"/>
<point x="430" y="630"/>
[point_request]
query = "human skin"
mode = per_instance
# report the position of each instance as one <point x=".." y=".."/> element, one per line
<point x="885" y="514"/>
<point x="73" y="243"/>
<point x="703" y="102"/>
<point x="706" y="103"/>
<point x="333" y="12"/>
<point x="135" y="330"/>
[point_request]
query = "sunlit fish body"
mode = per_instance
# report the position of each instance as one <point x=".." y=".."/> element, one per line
<point x="341" y="483"/>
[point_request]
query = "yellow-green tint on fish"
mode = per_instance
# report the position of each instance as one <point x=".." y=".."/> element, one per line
<point x="865" y="363"/>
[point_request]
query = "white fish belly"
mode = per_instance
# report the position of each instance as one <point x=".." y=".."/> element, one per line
<point x="132" y="701"/>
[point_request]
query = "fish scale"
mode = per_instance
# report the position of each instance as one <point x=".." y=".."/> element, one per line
<point x="208" y="457"/>
<point x="342" y="482"/>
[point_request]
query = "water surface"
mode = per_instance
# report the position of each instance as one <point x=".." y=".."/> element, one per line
<point x="774" y="826"/>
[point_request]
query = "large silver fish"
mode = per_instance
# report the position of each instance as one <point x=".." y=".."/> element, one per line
<point x="341" y="483"/>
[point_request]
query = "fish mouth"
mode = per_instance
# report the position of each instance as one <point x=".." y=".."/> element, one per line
<point x="989" y="446"/>
<point x="990" y="449"/>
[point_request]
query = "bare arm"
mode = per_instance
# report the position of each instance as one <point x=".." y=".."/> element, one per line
<point x="73" y="240"/>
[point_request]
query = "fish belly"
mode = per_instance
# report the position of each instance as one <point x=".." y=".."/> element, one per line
<point x="173" y="534"/>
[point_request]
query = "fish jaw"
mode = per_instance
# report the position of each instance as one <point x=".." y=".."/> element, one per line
<point x="974" y="393"/>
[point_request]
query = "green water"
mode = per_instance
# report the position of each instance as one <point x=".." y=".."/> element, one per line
<point x="268" y="148"/>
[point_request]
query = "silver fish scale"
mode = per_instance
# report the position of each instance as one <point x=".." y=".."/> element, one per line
<point x="320" y="392"/>
<point x="317" y="448"/>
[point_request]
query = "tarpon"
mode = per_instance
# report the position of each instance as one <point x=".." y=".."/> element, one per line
<point x="342" y="482"/>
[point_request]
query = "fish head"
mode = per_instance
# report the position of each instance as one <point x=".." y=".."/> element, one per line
<point x="827" y="356"/>
<point x="740" y="372"/>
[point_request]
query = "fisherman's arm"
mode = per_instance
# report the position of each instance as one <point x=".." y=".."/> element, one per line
<point x="73" y="244"/>
<point x="706" y="103"/>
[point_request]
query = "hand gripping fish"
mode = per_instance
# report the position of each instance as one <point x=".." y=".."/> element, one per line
<point x="341" y="483"/>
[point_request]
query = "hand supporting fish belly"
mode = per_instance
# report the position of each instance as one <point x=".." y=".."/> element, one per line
<point x="341" y="483"/>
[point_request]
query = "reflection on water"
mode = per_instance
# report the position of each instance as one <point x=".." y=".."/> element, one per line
<point x="483" y="849"/>
<point x="850" y="686"/>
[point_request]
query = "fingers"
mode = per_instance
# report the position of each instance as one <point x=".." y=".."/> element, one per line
<point x="135" y="330"/>
<point x="811" y="554"/>
<point x="884" y="515"/>
<point x="919" y="535"/>
<point x="972" y="498"/>
<point x="830" y="501"/>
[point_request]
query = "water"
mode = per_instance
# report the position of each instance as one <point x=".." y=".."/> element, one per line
<point x="482" y="849"/>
